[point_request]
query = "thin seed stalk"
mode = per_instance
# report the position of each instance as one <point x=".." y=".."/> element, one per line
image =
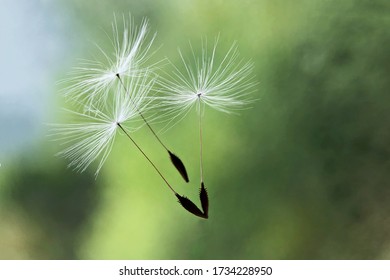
<point x="200" y="140"/>
<point x="176" y="161"/>
<point x="150" y="161"/>
<point x="140" y="113"/>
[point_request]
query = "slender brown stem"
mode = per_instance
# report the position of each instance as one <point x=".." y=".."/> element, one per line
<point x="140" y="113"/>
<point x="150" y="161"/>
<point x="174" y="159"/>
<point x="201" y="140"/>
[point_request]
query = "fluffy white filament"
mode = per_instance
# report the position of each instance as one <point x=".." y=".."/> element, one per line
<point x="91" y="81"/>
<point x="224" y="85"/>
<point x="92" y="134"/>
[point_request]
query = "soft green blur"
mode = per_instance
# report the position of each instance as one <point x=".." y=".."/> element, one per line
<point x="303" y="174"/>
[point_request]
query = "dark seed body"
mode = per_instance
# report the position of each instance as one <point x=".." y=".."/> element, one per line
<point x="190" y="206"/>
<point x="179" y="166"/>
<point x="204" y="199"/>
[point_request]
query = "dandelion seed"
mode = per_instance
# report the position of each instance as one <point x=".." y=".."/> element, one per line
<point x="91" y="82"/>
<point x="225" y="86"/>
<point x="93" y="135"/>
<point x="93" y="79"/>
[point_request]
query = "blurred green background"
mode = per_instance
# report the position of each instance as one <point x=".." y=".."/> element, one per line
<point x="304" y="174"/>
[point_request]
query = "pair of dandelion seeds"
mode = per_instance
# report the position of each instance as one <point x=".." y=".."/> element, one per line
<point x="115" y="95"/>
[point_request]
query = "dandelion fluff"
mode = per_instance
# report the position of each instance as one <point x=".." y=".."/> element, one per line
<point x="225" y="85"/>
<point x="92" y="136"/>
<point x="93" y="79"/>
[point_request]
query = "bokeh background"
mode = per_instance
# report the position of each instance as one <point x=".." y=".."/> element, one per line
<point x="303" y="174"/>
